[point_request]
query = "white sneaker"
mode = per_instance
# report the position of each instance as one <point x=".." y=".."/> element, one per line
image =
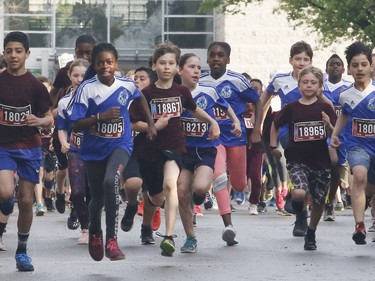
<point x="253" y="209"/>
<point x="229" y="235"/>
<point x="84" y="239"/>
<point x="2" y="246"/>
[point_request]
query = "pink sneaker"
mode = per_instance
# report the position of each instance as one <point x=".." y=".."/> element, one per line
<point x="84" y="239"/>
<point x="112" y="251"/>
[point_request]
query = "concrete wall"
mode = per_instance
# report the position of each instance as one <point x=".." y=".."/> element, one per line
<point x="261" y="41"/>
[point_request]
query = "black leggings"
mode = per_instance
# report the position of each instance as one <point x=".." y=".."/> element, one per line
<point x="105" y="178"/>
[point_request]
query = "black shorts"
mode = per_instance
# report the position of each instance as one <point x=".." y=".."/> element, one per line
<point x="48" y="160"/>
<point x="199" y="156"/>
<point x="152" y="172"/>
<point x="132" y="168"/>
<point x="62" y="159"/>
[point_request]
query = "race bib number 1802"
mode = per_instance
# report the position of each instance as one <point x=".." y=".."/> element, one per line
<point x="14" y="116"/>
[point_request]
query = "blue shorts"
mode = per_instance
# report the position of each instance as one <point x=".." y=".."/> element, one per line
<point x="357" y="156"/>
<point x="26" y="161"/>
<point x="199" y="156"/>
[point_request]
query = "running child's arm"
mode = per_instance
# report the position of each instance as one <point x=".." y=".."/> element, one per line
<point x="160" y="124"/>
<point x="200" y="114"/>
<point x="63" y="138"/>
<point x="274" y="133"/>
<point x="236" y="125"/>
<point x="84" y="123"/>
<point x="255" y="135"/>
<point x="340" y="124"/>
<point x="151" y="129"/>
<point x="45" y="121"/>
<point x="327" y="123"/>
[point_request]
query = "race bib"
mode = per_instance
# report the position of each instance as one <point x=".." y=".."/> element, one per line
<point x="248" y="123"/>
<point x="170" y="106"/>
<point x="309" y="131"/>
<point x="338" y="110"/>
<point x="76" y="139"/>
<point x="14" y="116"/>
<point x="220" y="114"/>
<point x="134" y="134"/>
<point x="363" y="128"/>
<point x="109" y="129"/>
<point x="193" y="127"/>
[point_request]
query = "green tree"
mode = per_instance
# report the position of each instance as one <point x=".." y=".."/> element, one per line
<point x="333" y="19"/>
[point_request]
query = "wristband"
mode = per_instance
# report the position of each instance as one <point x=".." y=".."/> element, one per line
<point x="273" y="148"/>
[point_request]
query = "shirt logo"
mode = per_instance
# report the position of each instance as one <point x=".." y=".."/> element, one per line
<point x="122" y="97"/>
<point x="371" y="104"/>
<point x="97" y="97"/>
<point x="202" y="102"/>
<point x="226" y="92"/>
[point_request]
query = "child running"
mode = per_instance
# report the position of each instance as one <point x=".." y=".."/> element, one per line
<point x="70" y="143"/>
<point x="160" y="161"/>
<point x="196" y="177"/>
<point x="101" y="112"/>
<point x="24" y="106"/>
<point x="357" y="121"/>
<point x="306" y="152"/>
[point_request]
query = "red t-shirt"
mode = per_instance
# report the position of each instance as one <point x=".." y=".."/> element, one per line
<point x="20" y="95"/>
<point x="307" y="137"/>
<point x="170" y="101"/>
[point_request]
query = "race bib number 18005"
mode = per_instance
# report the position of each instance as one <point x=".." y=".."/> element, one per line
<point x="14" y="116"/>
<point x="171" y="107"/>
<point x="109" y="129"/>
<point x="363" y="127"/>
<point x="309" y="131"/>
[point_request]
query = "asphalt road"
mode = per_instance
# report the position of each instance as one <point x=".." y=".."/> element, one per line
<point x="266" y="251"/>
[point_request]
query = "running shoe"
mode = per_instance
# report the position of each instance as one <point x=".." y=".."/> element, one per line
<point x="112" y="250"/>
<point x="23" y="262"/>
<point x="2" y="246"/>
<point x="280" y="203"/>
<point x="190" y="245"/>
<point x="156" y="219"/>
<point x="60" y="202"/>
<point x="39" y="211"/>
<point x="339" y="206"/>
<point x="146" y="235"/>
<point x="73" y="222"/>
<point x="96" y="246"/>
<point x="232" y="208"/>
<point x="329" y="212"/>
<point x="372" y="227"/>
<point x="239" y="197"/>
<point x="84" y="239"/>
<point x="359" y="235"/>
<point x="310" y="243"/>
<point x="229" y="235"/>
<point x="262" y="207"/>
<point x="140" y="208"/>
<point x="283" y="212"/>
<point x="49" y="204"/>
<point x="167" y="246"/>
<point x="300" y="226"/>
<point x="208" y="202"/>
<point x="128" y="218"/>
<point x="253" y="209"/>
<point x="198" y="210"/>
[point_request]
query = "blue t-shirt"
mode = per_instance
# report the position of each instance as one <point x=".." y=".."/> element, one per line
<point x="237" y="91"/>
<point x="93" y="97"/>
<point x="286" y="87"/>
<point x="196" y="131"/>
<point x="360" y="107"/>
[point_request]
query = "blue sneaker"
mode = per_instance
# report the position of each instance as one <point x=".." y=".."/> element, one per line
<point x="190" y="245"/>
<point x="239" y="197"/>
<point x="23" y="262"/>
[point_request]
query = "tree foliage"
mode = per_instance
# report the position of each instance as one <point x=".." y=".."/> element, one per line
<point x="333" y="19"/>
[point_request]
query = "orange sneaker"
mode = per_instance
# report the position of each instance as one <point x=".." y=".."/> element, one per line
<point x="140" y="207"/>
<point x="198" y="210"/>
<point x="156" y="220"/>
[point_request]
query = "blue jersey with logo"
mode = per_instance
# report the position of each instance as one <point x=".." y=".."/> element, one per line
<point x="196" y="132"/>
<point x="360" y="107"/>
<point x="332" y="92"/>
<point x="237" y="91"/>
<point x="93" y="97"/>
